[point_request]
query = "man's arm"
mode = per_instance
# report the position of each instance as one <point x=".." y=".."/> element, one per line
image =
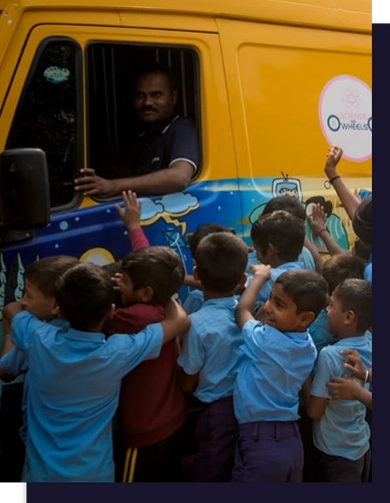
<point x="165" y="181"/>
<point x="246" y="305"/>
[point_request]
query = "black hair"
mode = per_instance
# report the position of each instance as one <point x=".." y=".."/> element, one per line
<point x="356" y="295"/>
<point x="148" y="68"/>
<point x="221" y="259"/>
<point x="44" y="272"/>
<point x="281" y="229"/>
<point x="308" y="289"/>
<point x="157" y="267"/>
<point x="287" y="203"/>
<point x="340" y="267"/>
<point x="84" y="295"/>
<point x="204" y="230"/>
<point x="362" y="220"/>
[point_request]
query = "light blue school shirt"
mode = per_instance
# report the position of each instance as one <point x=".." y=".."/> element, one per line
<point x="74" y="382"/>
<point x="342" y="430"/>
<point x="194" y="301"/>
<point x="305" y="257"/>
<point x="15" y="363"/>
<point x="368" y="269"/>
<point x="319" y="331"/>
<point x="275" y="366"/>
<point x="212" y="348"/>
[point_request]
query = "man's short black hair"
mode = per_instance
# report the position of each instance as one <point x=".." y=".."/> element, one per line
<point x="149" y="68"/>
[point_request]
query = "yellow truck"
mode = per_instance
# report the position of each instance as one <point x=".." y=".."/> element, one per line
<point x="269" y="84"/>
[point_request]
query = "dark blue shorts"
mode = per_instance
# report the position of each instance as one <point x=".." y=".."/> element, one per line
<point x="338" y="469"/>
<point x="268" y="451"/>
<point x="216" y="436"/>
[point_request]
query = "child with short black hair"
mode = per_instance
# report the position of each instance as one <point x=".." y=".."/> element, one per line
<point x="38" y="299"/>
<point x="340" y="431"/>
<point x="278" y="357"/>
<point x="75" y="376"/>
<point x="278" y="239"/>
<point x="152" y="407"/>
<point x="336" y="269"/>
<point x="211" y="356"/>
<point x="309" y="255"/>
<point x="195" y="297"/>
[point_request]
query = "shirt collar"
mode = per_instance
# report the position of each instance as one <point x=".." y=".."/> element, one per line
<point x="222" y="301"/>
<point x="161" y="129"/>
<point x="78" y="335"/>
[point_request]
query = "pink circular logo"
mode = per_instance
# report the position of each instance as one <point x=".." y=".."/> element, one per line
<point x="345" y="113"/>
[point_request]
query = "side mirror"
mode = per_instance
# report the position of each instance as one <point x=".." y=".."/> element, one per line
<point x="24" y="189"/>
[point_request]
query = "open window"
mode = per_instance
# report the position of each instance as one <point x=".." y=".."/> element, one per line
<point x="49" y="115"/>
<point x="111" y="118"/>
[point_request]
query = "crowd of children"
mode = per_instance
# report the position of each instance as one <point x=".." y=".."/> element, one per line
<point x="273" y="345"/>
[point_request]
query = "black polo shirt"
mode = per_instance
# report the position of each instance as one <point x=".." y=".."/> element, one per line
<point x="157" y="149"/>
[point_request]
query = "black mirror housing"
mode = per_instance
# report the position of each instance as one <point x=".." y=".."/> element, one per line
<point x="24" y="189"/>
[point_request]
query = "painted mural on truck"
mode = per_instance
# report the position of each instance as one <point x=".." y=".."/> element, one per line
<point x="96" y="234"/>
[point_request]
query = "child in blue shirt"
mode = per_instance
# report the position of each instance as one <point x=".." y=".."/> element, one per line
<point x="38" y="299"/>
<point x="195" y="297"/>
<point x="340" y="431"/>
<point x="278" y="239"/>
<point x="336" y="269"/>
<point x="309" y="255"/>
<point x="75" y="376"/>
<point x="210" y="354"/>
<point x="278" y="357"/>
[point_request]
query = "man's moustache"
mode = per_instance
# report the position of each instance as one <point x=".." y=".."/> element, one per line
<point x="148" y="109"/>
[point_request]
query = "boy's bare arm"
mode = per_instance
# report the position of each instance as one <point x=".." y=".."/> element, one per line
<point x="348" y="199"/>
<point x="318" y="262"/>
<point x="315" y="405"/>
<point x="187" y="382"/>
<point x="347" y="388"/>
<point x="246" y="305"/>
<point x="6" y="377"/>
<point x="190" y="281"/>
<point x="9" y="311"/>
<point x="176" y="321"/>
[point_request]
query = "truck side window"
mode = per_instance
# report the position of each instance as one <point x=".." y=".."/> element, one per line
<point x="49" y="114"/>
<point x="112" y="124"/>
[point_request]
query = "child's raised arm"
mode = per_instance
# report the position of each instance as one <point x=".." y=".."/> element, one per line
<point x="131" y="218"/>
<point x="348" y="199"/>
<point x="176" y="321"/>
<point x="245" y="307"/>
<point x="317" y="221"/>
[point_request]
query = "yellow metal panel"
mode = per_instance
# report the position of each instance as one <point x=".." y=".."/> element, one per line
<point x="275" y="79"/>
<point x="350" y="14"/>
<point x="218" y="157"/>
